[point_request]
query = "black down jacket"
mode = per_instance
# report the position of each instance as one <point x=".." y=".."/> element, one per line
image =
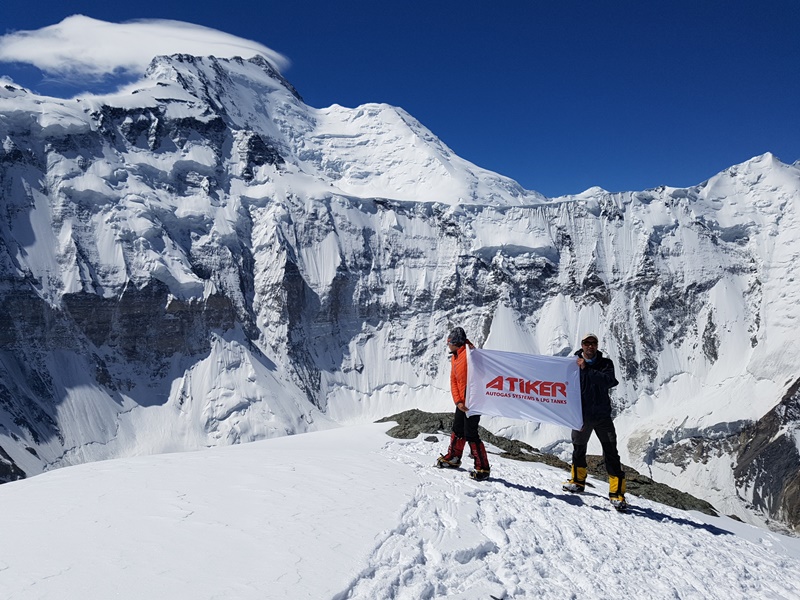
<point x="596" y="379"/>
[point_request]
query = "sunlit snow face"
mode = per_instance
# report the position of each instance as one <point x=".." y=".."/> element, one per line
<point x="589" y="347"/>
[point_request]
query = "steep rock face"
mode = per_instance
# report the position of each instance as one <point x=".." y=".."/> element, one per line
<point x="767" y="470"/>
<point x="208" y="260"/>
<point x="763" y="456"/>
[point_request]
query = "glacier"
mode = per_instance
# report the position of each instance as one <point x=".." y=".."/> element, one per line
<point x="202" y="259"/>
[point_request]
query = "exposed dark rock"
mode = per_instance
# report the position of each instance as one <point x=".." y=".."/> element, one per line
<point x="9" y="471"/>
<point x="768" y="461"/>
<point x="256" y="153"/>
<point x="146" y="323"/>
<point x="710" y="340"/>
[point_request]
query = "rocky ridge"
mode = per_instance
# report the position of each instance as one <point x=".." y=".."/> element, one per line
<point x="413" y="423"/>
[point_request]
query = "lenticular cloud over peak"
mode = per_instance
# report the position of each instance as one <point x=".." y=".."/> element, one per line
<point x="80" y="46"/>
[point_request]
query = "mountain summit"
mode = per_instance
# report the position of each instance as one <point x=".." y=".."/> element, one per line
<point x="202" y="259"/>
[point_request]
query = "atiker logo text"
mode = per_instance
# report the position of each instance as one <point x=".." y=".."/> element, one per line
<point x="523" y="386"/>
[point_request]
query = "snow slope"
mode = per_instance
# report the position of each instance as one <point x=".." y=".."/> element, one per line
<point x="352" y="513"/>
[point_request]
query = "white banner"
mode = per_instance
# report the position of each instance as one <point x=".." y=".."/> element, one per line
<point x="524" y="386"/>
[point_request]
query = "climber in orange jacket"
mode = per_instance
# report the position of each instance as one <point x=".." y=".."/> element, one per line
<point x="465" y="429"/>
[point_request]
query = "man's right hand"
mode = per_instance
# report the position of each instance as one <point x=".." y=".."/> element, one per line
<point x="461" y="406"/>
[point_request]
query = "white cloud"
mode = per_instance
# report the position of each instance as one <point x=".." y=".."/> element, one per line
<point x="80" y="46"/>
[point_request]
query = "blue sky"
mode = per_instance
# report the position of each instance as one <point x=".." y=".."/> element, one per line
<point x="560" y="95"/>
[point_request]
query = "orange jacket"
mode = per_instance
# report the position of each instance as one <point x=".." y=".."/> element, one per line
<point x="458" y="374"/>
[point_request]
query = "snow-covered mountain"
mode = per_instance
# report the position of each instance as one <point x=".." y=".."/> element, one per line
<point x="203" y="259"/>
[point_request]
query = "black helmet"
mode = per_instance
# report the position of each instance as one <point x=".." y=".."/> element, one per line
<point x="457" y="337"/>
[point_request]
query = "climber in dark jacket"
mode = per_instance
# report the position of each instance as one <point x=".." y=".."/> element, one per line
<point x="597" y="377"/>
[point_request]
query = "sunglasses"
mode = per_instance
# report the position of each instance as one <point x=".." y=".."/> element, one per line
<point x="590" y="343"/>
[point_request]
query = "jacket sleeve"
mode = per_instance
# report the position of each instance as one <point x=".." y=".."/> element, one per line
<point x="603" y="376"/>
<point x="458" y="377"/>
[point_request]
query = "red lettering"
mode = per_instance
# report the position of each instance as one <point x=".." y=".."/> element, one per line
<point x="523" y="386"/>
<point x="496" y="383"/>
<point x="532" y="387"/>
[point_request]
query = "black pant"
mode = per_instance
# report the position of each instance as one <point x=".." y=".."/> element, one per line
<point x="466" y="427"/>
<point x="604" y="428"/>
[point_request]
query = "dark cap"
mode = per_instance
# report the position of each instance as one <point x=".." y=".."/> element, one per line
<point x="457" y="337"/>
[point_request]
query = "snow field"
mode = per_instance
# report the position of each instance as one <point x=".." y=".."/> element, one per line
<point x="350" y="513"/>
